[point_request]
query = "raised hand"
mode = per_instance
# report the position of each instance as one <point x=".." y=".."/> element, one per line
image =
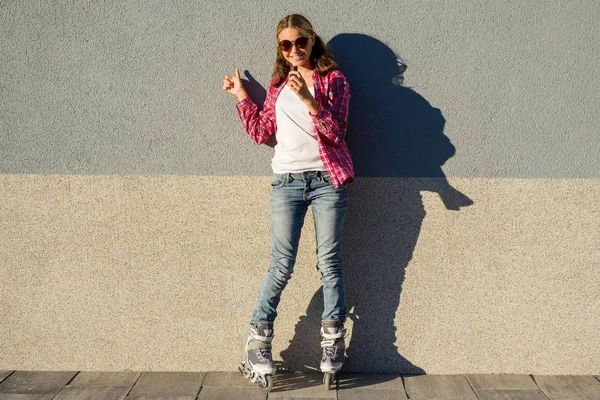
<point x="298" y="85"/>
<point x="234" y="85"/>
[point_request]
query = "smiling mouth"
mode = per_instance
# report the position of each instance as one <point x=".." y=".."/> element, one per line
<point x="298" y="57"/>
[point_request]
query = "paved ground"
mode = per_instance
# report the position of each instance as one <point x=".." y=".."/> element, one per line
<point x="44" y="385"/>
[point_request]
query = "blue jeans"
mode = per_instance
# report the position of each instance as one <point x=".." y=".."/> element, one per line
<point x="291" y="194"/>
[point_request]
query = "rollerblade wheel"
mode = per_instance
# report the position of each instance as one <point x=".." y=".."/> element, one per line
<point x="265" y="382"/>
<point x="327" y="380"/>
<point x="269" y="383"/>
<point x="241" y="368"/>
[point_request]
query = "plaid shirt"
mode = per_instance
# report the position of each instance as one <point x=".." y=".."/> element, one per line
<point x="332" y="92"/>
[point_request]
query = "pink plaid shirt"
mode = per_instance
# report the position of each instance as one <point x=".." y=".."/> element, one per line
<point x="332" y="92"/>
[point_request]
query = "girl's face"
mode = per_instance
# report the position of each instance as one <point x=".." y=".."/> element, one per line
<point x="295" y="47"/>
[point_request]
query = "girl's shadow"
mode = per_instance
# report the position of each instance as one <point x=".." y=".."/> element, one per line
<point x="393" y="132"/>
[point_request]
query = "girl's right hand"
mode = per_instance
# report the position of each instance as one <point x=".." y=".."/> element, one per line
<point x="233" y="85"/>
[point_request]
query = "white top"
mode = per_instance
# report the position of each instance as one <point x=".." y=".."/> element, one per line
<point x="297" y="148"/>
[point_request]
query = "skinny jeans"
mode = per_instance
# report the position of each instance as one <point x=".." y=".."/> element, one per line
<point x="291" y="195"/>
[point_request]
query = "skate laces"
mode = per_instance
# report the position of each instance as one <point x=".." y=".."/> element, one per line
<point x="330" y="350"/>
<point x="261" y="344"/>
<point x="329" y="347"/>
<point x="263" y="354"/>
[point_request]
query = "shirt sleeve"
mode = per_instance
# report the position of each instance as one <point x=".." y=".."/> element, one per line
<point x="331" y="119"/>
<point x="259" y="125"/>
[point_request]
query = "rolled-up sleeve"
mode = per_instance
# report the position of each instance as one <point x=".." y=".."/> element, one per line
<point x="259" y="125"/>
<point x="331" y="119"/>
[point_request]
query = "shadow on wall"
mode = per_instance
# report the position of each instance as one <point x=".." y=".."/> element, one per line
<point x="393" y="132"/>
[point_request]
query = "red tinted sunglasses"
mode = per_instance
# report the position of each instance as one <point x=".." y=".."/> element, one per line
<point x="286" y="45"/>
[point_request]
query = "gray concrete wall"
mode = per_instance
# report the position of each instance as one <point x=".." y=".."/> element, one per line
<point x="134" y="86"/>
<point x="134" y="212"/>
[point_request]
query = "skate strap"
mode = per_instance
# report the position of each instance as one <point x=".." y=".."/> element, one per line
<point x="256" y="336"/>
<point x="259" y="345"/>
<point x="339" y="334"/>
<point x="327" y="343"/>
<point x="330" y="339"/>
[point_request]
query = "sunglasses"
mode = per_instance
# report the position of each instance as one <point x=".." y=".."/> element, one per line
<point x="286" y="45"/>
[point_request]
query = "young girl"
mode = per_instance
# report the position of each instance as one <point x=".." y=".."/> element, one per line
<point x="306" y="108"/>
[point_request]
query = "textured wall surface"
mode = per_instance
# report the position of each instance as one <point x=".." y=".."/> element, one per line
<point x="161" y="273"/>
<point x="134" y="211"/>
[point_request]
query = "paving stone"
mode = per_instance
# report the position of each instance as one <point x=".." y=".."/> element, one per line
<point x="171" y="385"/>
<point x="501" y="382"/>
<point x="368" y="394"/>
<point x="510" y="395"/>
<point x="367" y="381"/>
<point x="4" y="374"/>
<point x="92" y="393"/>
<point x="35" y="382"/>
<point x="6" y="396"/>
<point x="102" y="379"/>
<point x="161" y="398"/>
<point x="438" y="387"/>
<point x="227" y="379"/>
<point x="500" y="387"/>
<point x="376" y="387"/>
<point x="231" y="393"/>
<point x="573" y="387"/>
<point x="300" y="385"/>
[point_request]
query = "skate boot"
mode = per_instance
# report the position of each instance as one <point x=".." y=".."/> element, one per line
<point x="333" y="348"/>
<point x="258" y="365"/>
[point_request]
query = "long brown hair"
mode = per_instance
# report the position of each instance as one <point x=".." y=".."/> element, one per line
<point x="322" y="57"/>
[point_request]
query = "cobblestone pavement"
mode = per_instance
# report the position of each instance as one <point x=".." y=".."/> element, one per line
<point x="73" y="385"/>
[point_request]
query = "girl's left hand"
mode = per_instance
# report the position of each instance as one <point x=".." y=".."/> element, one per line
<point x="298" y="85"/>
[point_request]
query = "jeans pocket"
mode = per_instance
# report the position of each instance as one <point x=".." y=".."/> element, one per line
<point x="278" y="180"/>
<point x="327" y="179"/>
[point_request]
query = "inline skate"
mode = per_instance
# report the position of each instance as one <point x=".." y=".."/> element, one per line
<point x="333" y="348"/>
<point x="258" y="365"/>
